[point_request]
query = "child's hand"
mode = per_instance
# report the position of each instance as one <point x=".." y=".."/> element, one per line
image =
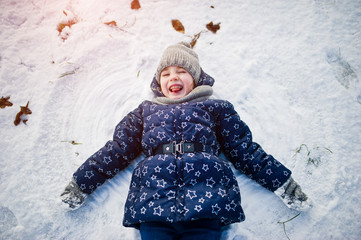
<point x="292" y="195"/>
<point x="73" y="196"/>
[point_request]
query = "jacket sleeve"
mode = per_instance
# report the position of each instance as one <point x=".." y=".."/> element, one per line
<point x="246" y="155"/>
<point x="114" y="156"/>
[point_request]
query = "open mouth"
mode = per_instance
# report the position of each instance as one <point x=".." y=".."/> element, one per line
<point x="175" y="88"/>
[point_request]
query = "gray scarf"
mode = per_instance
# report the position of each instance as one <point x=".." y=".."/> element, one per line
<point x="200" y="93"/>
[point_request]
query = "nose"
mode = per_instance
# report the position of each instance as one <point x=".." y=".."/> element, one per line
<point x="174" y="77"/>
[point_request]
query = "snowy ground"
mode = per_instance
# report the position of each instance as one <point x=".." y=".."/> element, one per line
<point x="291" y="68"/>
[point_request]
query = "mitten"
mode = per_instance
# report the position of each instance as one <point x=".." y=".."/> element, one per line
<point x="292" y="195"/>
<point x="72" y="195"/>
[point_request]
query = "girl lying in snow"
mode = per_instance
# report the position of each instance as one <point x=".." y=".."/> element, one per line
<point x="183" y="188"/>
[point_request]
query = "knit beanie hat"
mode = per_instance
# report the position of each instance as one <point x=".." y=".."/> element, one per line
<point x="180" y="55"/>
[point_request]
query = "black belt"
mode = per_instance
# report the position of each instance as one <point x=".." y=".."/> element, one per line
<point x="182" y="147"/>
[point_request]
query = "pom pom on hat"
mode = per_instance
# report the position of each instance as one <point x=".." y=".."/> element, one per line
<point x="181" y="55"/>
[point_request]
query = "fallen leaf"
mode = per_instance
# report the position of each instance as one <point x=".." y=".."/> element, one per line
<point x="64" y="24"/>
<point x="135" y="4"/>
<point x="4" y="102"/>
<point x="213" y="27"/>
<point x="178" y="26"/>
<point x="64" y="34"/>
<point x="195" y="38"/>
<point x="24" y="110"/>
<point x="114" y="25"/>
<point x="111" y="23"/>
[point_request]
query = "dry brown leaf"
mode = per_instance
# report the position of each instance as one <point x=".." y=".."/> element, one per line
<point x="195" y="38"/>
<point x="135" y="4"/>
<point x="111" y="23"/>
<point x="63" y="25"/>
<point x="114" y="24"/>
<point x="213" y="27"/>
<point x="4" y="102"/>
<point x="178" y="26"/>
<point x="23" y="111"/>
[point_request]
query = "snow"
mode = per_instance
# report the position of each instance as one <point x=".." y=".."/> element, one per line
<point x="291" y="68"/>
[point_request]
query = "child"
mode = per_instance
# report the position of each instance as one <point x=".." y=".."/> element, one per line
<point x="183" y="188"/>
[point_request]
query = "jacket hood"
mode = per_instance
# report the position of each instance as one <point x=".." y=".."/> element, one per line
<point x="204" y="80"/>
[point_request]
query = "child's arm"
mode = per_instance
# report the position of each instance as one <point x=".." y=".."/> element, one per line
<point x="248" y="157"/>
<point x="108" y="161"/>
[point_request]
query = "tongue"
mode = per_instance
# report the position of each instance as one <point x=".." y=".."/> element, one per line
<point x="176" y="89"/>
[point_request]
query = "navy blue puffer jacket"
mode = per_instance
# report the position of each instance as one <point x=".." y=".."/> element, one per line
<point x="189" y="186"/>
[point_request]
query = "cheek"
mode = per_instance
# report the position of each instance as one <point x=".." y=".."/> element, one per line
<point x="191" y="85"/>
<point x="163" y="88"/>
<point x="162" y="84"/>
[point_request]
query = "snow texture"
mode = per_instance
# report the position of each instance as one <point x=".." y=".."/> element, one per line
<point x="291" y="68"/>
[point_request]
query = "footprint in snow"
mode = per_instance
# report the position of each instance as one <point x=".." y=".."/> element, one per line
<point x="345" y="74"/>
<point x="324" y="6"/>
<point x="7" y="219"/>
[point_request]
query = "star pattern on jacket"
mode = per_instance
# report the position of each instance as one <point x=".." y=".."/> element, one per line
<point x="181" y="187"/>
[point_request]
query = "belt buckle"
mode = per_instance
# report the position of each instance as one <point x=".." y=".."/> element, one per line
<point x="178" y="147"/>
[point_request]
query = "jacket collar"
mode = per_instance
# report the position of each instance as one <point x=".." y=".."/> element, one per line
<point x="200" y="93"/>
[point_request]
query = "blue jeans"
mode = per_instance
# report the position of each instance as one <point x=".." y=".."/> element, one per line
<point x="195" y="230"/>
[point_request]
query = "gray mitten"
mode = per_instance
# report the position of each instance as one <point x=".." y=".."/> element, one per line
<point x="72" y="195"/>
<point x="292" y="195"/>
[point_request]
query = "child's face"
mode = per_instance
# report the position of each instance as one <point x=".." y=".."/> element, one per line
<point x="176" y="82"/>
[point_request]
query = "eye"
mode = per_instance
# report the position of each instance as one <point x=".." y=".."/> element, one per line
<point x="165" y="74"/>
